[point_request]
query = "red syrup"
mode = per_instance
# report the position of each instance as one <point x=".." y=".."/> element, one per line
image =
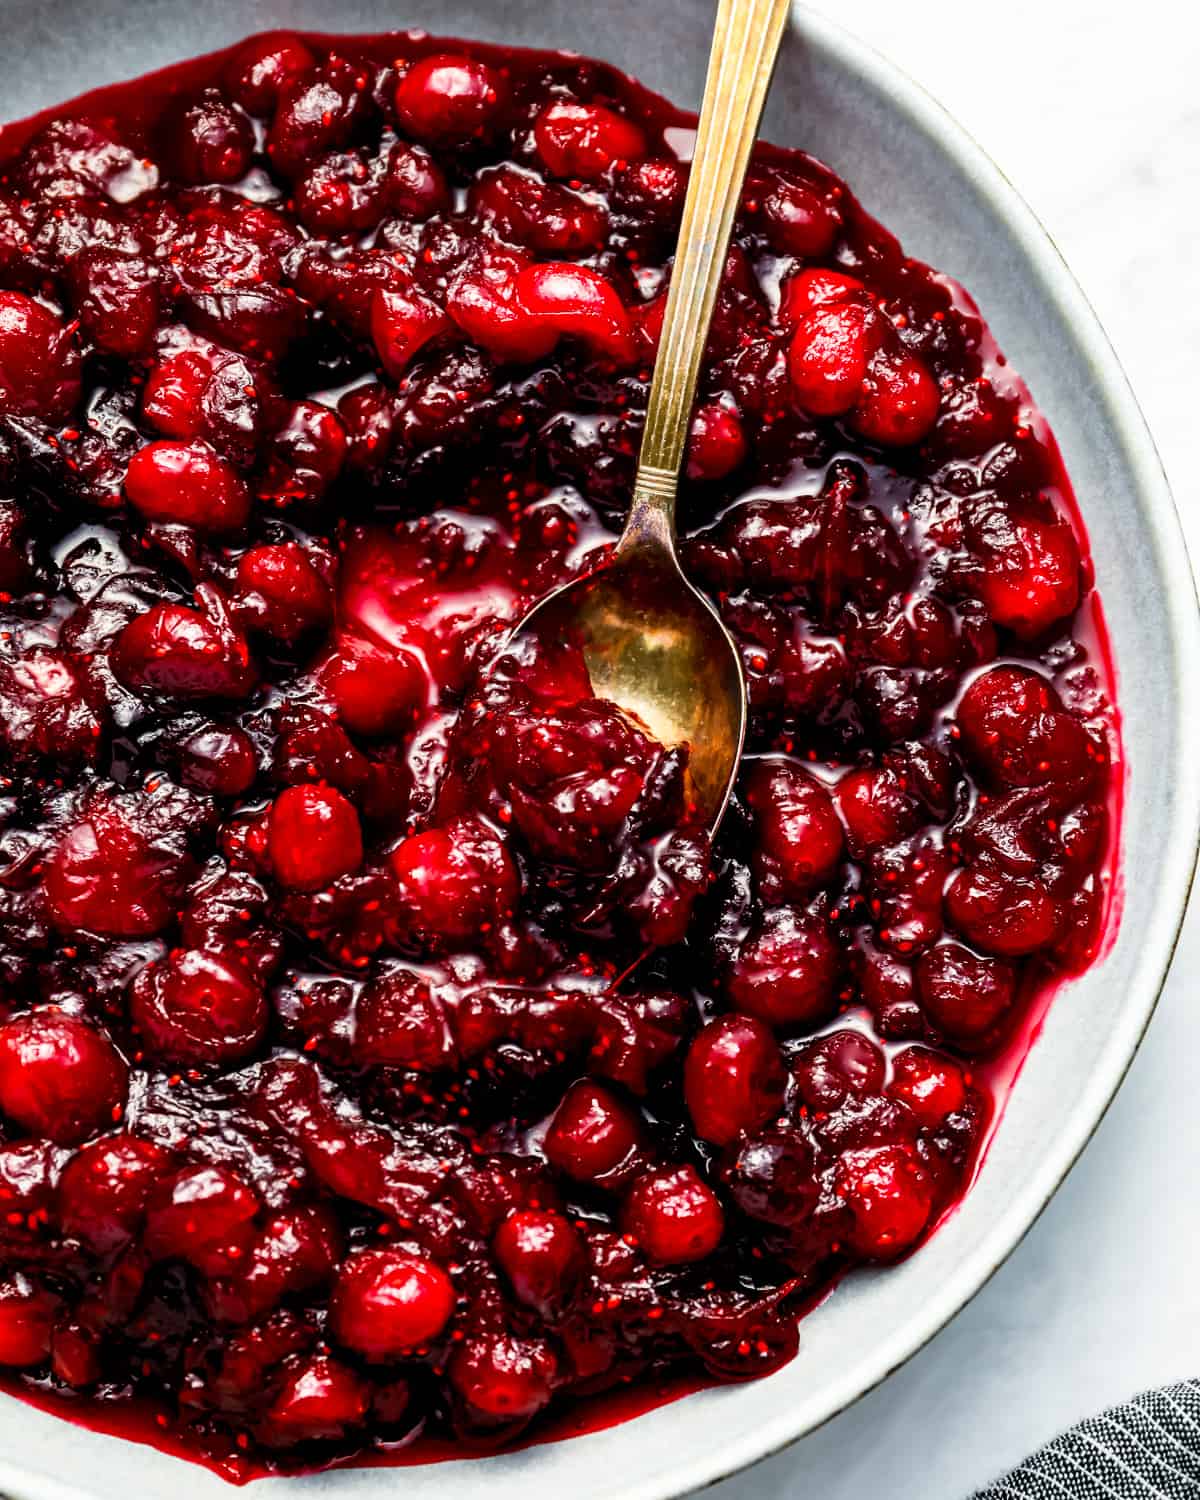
<point x="389" y="1067"/>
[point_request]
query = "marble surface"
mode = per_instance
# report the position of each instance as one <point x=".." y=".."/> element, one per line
<point x="1091" y="110"/>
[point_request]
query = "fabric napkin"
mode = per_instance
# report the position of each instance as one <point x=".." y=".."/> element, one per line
<point x="1146" y="1449"/>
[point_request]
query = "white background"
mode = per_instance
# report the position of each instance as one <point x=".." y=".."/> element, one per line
<point x="1093" y="111"/>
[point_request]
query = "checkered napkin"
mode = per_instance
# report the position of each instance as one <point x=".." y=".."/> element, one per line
<point x="1148" y="1449"/>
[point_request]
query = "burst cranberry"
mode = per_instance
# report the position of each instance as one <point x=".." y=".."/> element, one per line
<point x="733" y="1080"/>
<point x="931" y="1085"/>
<point x="674" y="1216"/>
<point x="455" y="881"/>
<point x="964" y="995"/>
<point x="1030" y="575"/>
<point x="181" y="653"/>
<point x="219" y="759"/>
<point x="485" y="302"/>
<point x="402" y="323"/>
<point x="541" y="1255"/>
<point x="786" y="970"/>
<point x="59" y="1076"/>
<point x="813" y="287"/>
<point x="314" y="837"/>
<point x="320" y="1400"/>
<point x="502" y="1379"/>
<point x="878" y="807"/>
<point x="116" y="296"/>
<point x="201" y="1214"/>
<point x="585" y="140"/>
<point x="189" y="484"/>
<point x="47" y="708"/>
<point x="375" y="690"/>
<point x="413" y="182"/>
<point x="260" y="67"/>
<point x="210" y="141"/>
<point x="196" y="1008"/>
<point x="387" y="1303"/>
<point x="1013" y="725"/>
<point x="39" y="364"/>
<point x="27" y="1317"/>
<point x="105" y="877"/>
<point x="398" y="1024"/>
<point x="835" y="1066"/>
<point x="899" y="401"/>
<point x="316" y="111"/>
<point x="282" y="592"/>
<point x="104" y="1188"/>
<point x="890" y="1197"/>
<point x="593" y="1133"/>
<point x="580" y="303"/>
<point x="448" y="99"/>
<point x="800" y="840"/>
<point x="796" y="217"/>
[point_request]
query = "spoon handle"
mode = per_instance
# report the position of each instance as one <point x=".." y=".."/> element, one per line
<point x="745" y="44"/>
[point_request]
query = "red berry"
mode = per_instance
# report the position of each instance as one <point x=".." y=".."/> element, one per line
<point x="1002" y="913"/>
<point x="454" y="881"/>
<point x="39" y="364"/>
<point x="104" y="877"/>
<point x="931" y="1085"/>
<point x="541" y="1255"/>
<point x="188" y="484"/>
<point x="448" y="99"/>
<point x="593" y="1132"/>
<point x="398" y="1024"/>
<point x="313" y="837"/>
<point x="838" y="1065"/>
<point x="59" y="1076"/>
<point x="800" y="842"/>
<point x="828" y="357"/>
<point x="1029" y="578"/>
<point x="27" y="1316"/>
<point x="786" y="970"/>
<point x="733" y="1080"/>
<point x="320" y="1400"/>
<point x="1014" y="726"/>
<point x="502" y="1379"/>
<point x="878" y="808"/>
<point x="580" y="303"/>
<point x="964" y="995"/>
<point x="403" y="321"/>
<point x="375" y="689"/>
<point x="899" y="401"/>
<point x="585" y="140"/>
<point x="716" y="443"/>
<point x="182" y="653"/>
<point x="890" y="1198"/>
<point x="218" y="758"/>
<point x="281" y="592"/>
<point x="194" y="1008"/>
<point x="209" y="140"/>
<point x="204" y="1215"/>
<point x="387" y="1303"/>
<point x="261" y="66"/>
<point x="674" y="1216"/>
<point x="104" y="1188"/>
<point x="48" y="708"/>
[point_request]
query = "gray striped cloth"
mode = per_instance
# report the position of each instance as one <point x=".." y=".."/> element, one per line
<point x="1148" y="1449"/>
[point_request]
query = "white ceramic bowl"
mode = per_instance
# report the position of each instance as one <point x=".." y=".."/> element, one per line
<point x="916" y="169"/>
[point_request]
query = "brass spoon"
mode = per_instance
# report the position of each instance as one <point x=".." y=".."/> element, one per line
<point x="653" y="644"/>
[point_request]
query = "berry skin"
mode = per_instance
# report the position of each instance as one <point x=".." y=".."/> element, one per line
<point x="674" y="1216"/>
<point x="258" y="70"/>
<point x="313" y="837"/>
<point x="585" y="140"/>
<point x="786" y="970"/>
<point x="800" y="841"/>
<point x="733" y="1080"/>
<point x="60" y="1077"/>
<point x="193" y="1008"/>
<point x="282" y="592"/>
<point x="387" y="1303"/>
<point x="963" y="994"/>
<point x="39" y="364"/>
<point x="448" y="99"/>
<point x="182" y="653"/>
<point x="890" y="1198"/>
<point x="501" y="1379"/>
<point x="104" y="1188"/>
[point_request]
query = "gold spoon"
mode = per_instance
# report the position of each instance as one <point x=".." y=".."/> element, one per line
<point x="653" y="644"/>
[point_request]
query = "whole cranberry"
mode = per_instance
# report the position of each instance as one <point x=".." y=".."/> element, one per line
<point x="448" y="99"/>
<point x="413" y="182"/>
<point x="218" y="758"/>
<point x="454" y="881"/>
<point x="890" y="1197"/>
<point x="541" y="1255"/>
<point x="716" y="443"/>
<point x="208" y="140"/>
<point x="27" y="1317"/>
<point x="878" y="807"/>
<point x="800" y="841"/>
<point x="773" y="1177"/>
<point x="187" y="483"/>
<point x="182" y="653"/>
<point x="313" y="837"/>
<point x="931" y="1084"/>
<point x="259" y="69"/>
<point x="281" y="592"/>
<point x="899" y="401"/>
<point x="963" y="994"/>
<point x="375" y="689"/>
<point x="593" y="1132"/>
<point x="674" y="1216"/>
<point x="786" y="970"/>
<point x="317" y="110"/>
<point x="842" y="1063"/>
<point x="827" y="359"/>
<point x="398" y="1024"/>
<point x="319" y="1400"/>
<point x="116" y="296"/>
<point x="580" y="303"/>
<point x="501" y="1379"/>
<point x="386" y="1303"/>
<point x="1013" y="726"/>
<point x="104" y="1188"/>
<point x="60" y="1077"/>
<point x="1029" y="579"/>
<point x="105" y="877"/>
<point x="39" y="363"/>
<point x="733" y="1079"/>
<point x="201" y="1214"/>
<point x="797" y="218"/>
<point x="197" y="1008"/>
<point x="585" y="140"/>
<point x="1002" y="913"/>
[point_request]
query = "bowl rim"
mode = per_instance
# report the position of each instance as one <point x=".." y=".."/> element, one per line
<point x="1178" y="855"/>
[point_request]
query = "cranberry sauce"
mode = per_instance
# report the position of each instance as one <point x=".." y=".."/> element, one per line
<point x="388" y="1060"/>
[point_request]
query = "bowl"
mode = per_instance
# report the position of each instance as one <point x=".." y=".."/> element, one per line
<point x="914" y="168"/>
